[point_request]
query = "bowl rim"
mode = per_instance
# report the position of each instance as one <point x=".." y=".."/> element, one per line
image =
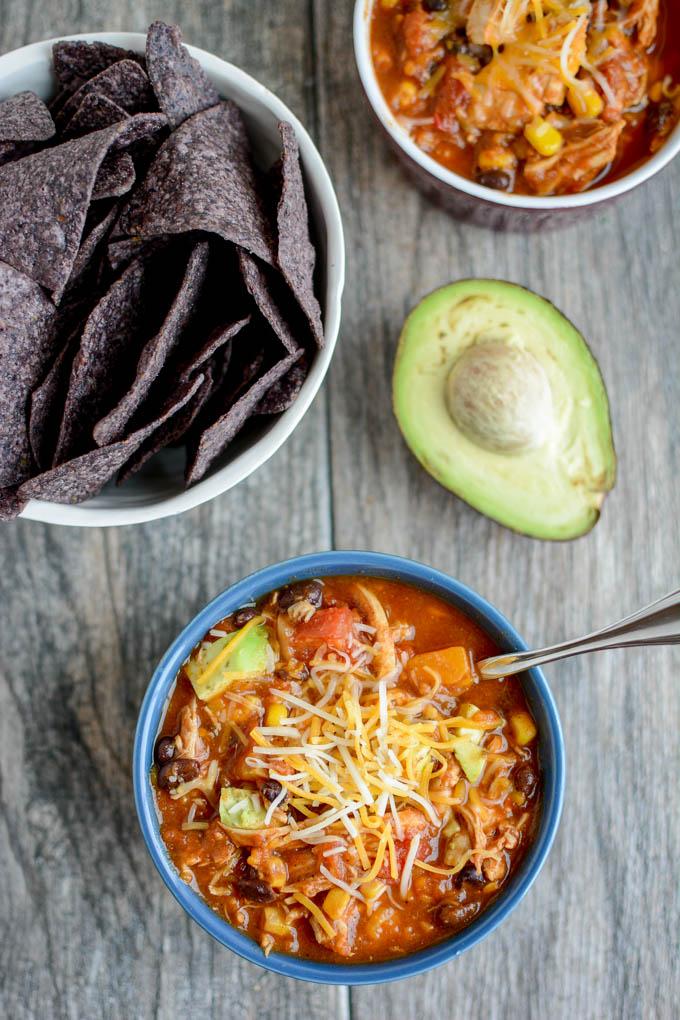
<point x="599" y="193"/>
<point x="320" y="184"/>
<point x="154" y="704"/>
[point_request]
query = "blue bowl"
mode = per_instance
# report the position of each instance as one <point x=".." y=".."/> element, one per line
<point x="538" y="696"/>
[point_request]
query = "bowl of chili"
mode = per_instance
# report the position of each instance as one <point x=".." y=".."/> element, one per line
<point x="518" y="115"/>
<point x="447" y="890"/>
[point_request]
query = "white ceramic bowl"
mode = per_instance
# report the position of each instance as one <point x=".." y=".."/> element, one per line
<point x="157" y="491"/>
<point x="471" y="200"/>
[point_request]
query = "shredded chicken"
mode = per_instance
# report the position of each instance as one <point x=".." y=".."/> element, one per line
<point x="494" y="22"/>
<point x="385" y="660"/>
<point x="626" y="75"/>
<point x="642" y="15"/>
<point x="588" y="149"/>
<point x="188" y="740"/>
<point x="342" y="942"/>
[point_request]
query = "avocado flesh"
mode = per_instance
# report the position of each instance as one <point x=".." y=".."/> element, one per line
<point x="501" y="400"/>
<point x="249" y="654"/>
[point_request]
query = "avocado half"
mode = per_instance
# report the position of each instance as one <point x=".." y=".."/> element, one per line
<point x="499" y="397"/>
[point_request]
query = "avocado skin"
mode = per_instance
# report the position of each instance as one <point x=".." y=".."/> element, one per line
<point x="466" y="290"/>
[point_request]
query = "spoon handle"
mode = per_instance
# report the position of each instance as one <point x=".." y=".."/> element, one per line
<point x="656" y="624"/>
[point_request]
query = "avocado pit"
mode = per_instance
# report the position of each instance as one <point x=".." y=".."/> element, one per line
<point x="499" y="397"/>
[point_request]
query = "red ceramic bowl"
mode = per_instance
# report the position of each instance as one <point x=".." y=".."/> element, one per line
<point x="470" y="201"/>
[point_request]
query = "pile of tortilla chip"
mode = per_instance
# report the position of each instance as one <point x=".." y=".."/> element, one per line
<point x="156" y="287"/>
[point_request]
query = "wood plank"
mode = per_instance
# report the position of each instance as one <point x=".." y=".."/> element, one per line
<point x="86" y="616"/>
<point x="592" y="938"/>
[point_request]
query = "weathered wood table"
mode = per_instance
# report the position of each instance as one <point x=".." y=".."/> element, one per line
<point x="88" y="930"/>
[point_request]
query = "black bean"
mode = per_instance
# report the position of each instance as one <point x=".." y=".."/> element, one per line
<point x="271" y="788"/>
<point x="455" y="915"/>
<point x="660" y="116"/>
<point x="255" y="890"/>
<point x="242" y="616"/>
<point x="309" y="590"/>
<point x="470" y="874"/>
<point x="179" y="770"/>
<point x="526" y="780"/>
<point x="496" y="179"/>
<point x="165" y="750"/>
<point x="484" y="54"/>
<point x="435" y="5"/>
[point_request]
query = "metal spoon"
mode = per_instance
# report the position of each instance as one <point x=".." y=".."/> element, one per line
<point x="656" y="624"/>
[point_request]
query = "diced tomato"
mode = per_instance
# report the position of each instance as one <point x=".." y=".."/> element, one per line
<point x="452" y="97"/>
<point x="331" y="626"/>
<point x="401" y="848"/>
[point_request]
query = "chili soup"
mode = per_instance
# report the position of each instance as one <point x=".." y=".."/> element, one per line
<point x="537" y="97"/>
<point x="333" y="778"/>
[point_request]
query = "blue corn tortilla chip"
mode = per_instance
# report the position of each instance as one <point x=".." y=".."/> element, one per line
<point x="109" y="344"/>
<point x="284" y="392"/>
<point x="95" y="112"/>
<point x="11" y="504"/>
<point x="125" y="83"/>
<point x="218" y="338"/>
<point x="295" y="252"/>
<point x="115" y="178"/>
<point x="181" y="85"/>
<point x="44" y="199"/>
<point x="92" y="239"/>
<point x="76" y="61"/>
<point x="122" y="252"/>
<point x="46" y="400"/>
<point x="202" y="179"/>
<point x="214" y="439"/>
<point x="26" y="346"/>
<point x="128" y="315"/>
<point x="83" y="477"/>
<point x="173" y="430"/>
<point x="139" y="127"/>
<point x="25" y="118"/>
<point x="158" y="349"/>
<point x="25" y="122"/>
<point x="260" y="287"/>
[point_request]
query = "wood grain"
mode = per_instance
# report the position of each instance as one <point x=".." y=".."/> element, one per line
<point x="89" y="930"/>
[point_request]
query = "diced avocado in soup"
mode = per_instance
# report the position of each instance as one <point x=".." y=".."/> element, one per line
<point x="240" y="654"/>
<point x="241" y="809"/>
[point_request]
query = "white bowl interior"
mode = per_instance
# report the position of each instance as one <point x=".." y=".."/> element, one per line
<point x="362" y="48"/>
<point x="158" y="489"/>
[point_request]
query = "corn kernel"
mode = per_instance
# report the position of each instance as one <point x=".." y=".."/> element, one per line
<point x="518" y="798"/>
<point x="275" y="715"/>
<point x="585" y="102"/>
<point x="274" y="923"/>
<point x="523" y="727"/>
<point x="407" y="93"/>
<point x="496" y="159"/>
<point x="372" y="890"/>
<point x="336" y="903"/>
<point x="545" y="138"/>
<point x="389" y="4"/>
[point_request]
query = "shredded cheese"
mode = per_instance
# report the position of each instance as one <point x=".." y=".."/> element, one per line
<point x="405" y="883"/>
<point x="316" y="912"/>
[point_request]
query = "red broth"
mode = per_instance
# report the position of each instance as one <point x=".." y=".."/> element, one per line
<point x="263" y="879"/>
